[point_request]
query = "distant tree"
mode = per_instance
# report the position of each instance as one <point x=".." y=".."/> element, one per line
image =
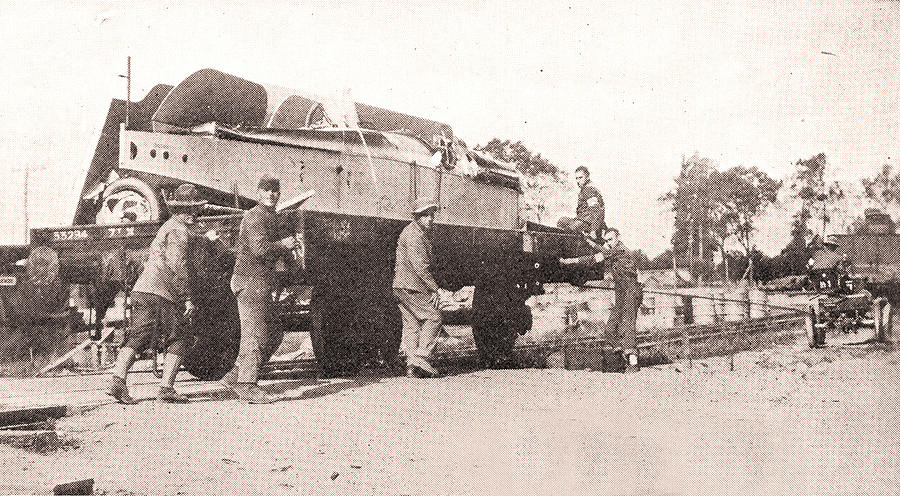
<point x="883" y="188"/>
<point x="808" y="184"/>
<point x="693" y="237"/>
<point x="816" y="195"/>
<point x="641" y="260"/>
<point x="739" y="196"/>
<point x="538" y="173"/>
<point x="662" y="261"/>
<point x="527" y="163"/>
<point x="712" y="206"/>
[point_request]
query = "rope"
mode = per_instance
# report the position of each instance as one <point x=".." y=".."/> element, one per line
<point x="703" y="297"/>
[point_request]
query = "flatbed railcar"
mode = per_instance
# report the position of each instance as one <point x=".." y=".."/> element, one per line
<point x="221" y="133"/>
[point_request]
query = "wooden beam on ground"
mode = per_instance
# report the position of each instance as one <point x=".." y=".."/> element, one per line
<point x="31" y="415"/>
<point x="80" y="348"/>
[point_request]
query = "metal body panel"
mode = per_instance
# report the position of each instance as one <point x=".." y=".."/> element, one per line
<point x="345" y="182"/>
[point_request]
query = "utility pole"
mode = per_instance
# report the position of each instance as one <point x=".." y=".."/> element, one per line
<point x="127" y="77"/>
<point x="25" y="205"/>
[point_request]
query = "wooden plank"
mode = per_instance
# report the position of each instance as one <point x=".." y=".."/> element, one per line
<point x="31" y="415"/>
<point x="38" y="441"/>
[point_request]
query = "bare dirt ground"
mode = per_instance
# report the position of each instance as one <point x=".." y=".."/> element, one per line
<point x="788" y="420"/>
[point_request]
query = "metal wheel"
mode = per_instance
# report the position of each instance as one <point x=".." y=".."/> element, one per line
<point x="217" y="331"/>
<point x="499" y="316"/>
<point x="129" y="200"/>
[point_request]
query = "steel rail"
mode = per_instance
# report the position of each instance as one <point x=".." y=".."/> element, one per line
<point x="450" y="358"/>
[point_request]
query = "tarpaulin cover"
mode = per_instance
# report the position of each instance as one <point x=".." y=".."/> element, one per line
<point x="210" y="95"/>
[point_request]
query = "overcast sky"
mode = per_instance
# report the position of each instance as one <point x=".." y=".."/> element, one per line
<point x="625" y="88"/>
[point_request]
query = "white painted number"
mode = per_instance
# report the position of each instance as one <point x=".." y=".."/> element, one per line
<point x="70" y="235"/>
<point x="120" y="232"/>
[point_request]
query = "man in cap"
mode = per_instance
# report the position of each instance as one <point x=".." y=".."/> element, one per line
<point x="162" y="298"/>
<point x="416" y="291"/>
<point x="259" y="247"/>
<point x="590" y="213"/>
<point x="621" y="328"/>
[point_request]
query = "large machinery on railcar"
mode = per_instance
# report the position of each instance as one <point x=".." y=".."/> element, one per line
<point x="366" y="166"/>
<point x="856" y="278"/>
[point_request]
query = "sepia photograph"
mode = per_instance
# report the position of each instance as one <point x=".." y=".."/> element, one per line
<point x="467" y="247"/>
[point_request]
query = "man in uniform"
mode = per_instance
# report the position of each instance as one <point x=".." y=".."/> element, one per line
<point x="162" y="299"/>
<point x="621" y="328"/>
<point x="417" y="292"/>
<point x="590" y="212"/>
<point x="258" y="250"/>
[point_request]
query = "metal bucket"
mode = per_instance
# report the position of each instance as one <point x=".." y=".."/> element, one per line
<point x="759" y="303"/>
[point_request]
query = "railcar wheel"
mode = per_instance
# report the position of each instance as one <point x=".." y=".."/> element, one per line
<point x="129" y="200"/>
<point x="499" y="316"/>
<point x="331" y="317"/>
<point x="217" y="327"/>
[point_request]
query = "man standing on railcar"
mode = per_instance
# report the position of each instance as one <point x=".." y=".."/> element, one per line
<point x="590" y="213"/>
<point x="621" y="328"/>
<point x="253" y="282"/>
<point x="416" y="291"/>
<point x="162" y="299"/>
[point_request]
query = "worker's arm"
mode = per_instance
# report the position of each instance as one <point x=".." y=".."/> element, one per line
<point x="258" y="238"/>
<point x="177" y="251"/>
<point x="421" y="262"/>
<point x="584" y="260"/>
<point x="601" y="253"/>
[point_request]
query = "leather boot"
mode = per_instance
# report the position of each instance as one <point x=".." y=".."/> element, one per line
<point x="169" y="395"/>
<point x="426" y="367"/>
<point x="229" y="382"/>
<point x="118" y="389"/>
<point x="251" y="393"/>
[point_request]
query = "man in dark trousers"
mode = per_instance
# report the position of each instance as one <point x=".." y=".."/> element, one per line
<point x="253" y="282"/>
<point x="590" y="213"/>
<point x="162" y="299"/>
<point x="621" y="328"/>
<point x="417" y="292"/>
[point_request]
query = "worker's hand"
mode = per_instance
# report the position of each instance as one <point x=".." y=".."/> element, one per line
<point x="289" y="242"/>
<point x="213" y="235"/>
<point x="189" y="309"/>
<point x="435" y="300"/>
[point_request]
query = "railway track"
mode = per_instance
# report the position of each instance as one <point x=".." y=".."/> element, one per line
<point x="651" y="344"/>
<point x="684" y="337"/>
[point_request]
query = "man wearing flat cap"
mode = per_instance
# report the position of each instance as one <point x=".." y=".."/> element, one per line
<point x="258" y="250"/>
<point x="416" y="291"/>
<point x="162" y="298"/>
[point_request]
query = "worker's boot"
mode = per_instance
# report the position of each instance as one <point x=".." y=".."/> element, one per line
<point x="118" y="389"/>
<point x="169" y="395"/>
<point x="426" y="368"/>
<point x="251" y="393"/>
<point x="229" y="381"/>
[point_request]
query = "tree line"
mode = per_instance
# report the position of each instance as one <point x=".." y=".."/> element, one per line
<point x="716" y="210"/>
